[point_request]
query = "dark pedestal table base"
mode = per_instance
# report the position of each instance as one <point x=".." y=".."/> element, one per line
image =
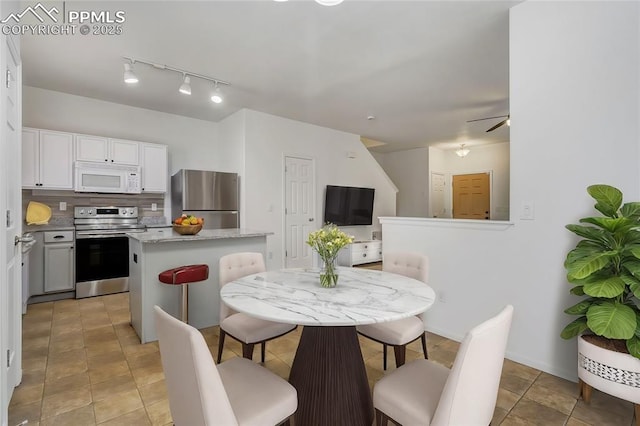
<point x="329" y="374"/>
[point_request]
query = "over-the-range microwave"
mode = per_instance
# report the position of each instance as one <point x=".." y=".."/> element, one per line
<point x="96" y="177"/>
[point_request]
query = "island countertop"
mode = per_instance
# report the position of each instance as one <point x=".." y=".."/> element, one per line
<point x="166" y="235"/>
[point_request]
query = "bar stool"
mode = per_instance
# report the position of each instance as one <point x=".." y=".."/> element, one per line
<point x="185" y="275"/>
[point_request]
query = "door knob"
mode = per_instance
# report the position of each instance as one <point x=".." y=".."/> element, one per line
<point x="310" y="219"/>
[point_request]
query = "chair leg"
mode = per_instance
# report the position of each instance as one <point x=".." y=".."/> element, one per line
<point x="221" y="344"/>
<point x="423" y="339"/>
<point x="401" y="352"/>
<point x="263" y="350"/>
<point x="384" y="356"/>
<point x="247" y="350"/>
<point x="637" y="413"/>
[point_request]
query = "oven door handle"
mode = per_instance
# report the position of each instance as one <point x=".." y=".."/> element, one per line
<point x="93" y="236"/>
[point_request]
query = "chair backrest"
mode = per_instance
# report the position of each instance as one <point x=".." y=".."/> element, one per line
<point x="238" y="265"/>
<point x="409" y="264"/>
<point x="470" y="393"/>
<point x="196" y="392"/>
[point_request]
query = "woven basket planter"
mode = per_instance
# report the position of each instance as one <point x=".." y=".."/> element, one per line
<point x="611" y="372"/>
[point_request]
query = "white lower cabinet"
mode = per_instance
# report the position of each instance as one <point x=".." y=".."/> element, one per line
<point x="59" y="271"/>
<point x="360" y="252"/>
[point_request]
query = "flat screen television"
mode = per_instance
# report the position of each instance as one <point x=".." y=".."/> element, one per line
<point x="348" y="205"/>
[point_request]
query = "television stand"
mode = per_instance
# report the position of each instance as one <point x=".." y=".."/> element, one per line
<point x="360" y="252"/>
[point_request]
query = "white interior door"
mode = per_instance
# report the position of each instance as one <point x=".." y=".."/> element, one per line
<point x="11" y="219"/>
<point x="300" y="208"/>
<point x="437" y="196"/>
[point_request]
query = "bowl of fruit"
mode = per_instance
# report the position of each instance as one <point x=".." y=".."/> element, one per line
<point x="188" y="224"/>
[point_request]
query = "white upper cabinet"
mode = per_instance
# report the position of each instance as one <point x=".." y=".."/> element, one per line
<point x="105" y="150"/>
<point x="124" y="152"/>
<point x="47" y="159"/>
<point x="155" y="167"/>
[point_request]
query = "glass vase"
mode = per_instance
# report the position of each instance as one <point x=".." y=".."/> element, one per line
<point x="329" y="273"/>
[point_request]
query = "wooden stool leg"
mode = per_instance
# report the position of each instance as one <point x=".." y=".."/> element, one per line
<point x="185" y="303"/>
<point x="263" y="350"/>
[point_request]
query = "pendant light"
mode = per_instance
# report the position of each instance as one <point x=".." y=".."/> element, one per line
<point x="329" y="2"/>
<point x="185" y="87"/>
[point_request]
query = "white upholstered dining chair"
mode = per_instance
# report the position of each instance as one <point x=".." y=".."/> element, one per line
<point x="423" y="392"/>
<point x="244" y="328"/>
<point x="400" y="333"/>
<point x="236" y="392"/>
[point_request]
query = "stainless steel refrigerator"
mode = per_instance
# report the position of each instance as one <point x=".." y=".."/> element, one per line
<point x="211" y="195"/>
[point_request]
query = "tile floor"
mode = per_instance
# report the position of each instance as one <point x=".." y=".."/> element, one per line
<point x="84" y="365"/>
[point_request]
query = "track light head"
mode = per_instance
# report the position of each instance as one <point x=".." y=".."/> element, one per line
<point x="129" y="75"/>
<point x="185" y="87"/>
<point x="217" y="97"/>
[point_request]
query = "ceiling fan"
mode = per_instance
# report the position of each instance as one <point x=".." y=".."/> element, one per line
<point x="500" y="124"/>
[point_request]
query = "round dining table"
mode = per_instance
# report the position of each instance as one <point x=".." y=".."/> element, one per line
<point x="328" y="370"/>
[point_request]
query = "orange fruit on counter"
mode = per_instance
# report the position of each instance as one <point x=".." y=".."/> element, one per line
<point x="200" y="221"/>
<point x="178" y="221"/>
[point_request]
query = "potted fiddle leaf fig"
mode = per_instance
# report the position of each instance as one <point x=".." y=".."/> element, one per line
<point x="604" y="268"/>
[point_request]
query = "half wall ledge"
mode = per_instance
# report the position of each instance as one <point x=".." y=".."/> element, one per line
<point x="495" y="225"/>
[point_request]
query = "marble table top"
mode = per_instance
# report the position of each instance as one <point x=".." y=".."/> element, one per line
<point x="294" y="296"/>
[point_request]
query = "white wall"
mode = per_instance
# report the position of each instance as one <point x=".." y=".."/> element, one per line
<point x="409" y="170"/>
<point x="269" y="138"/>
<point x="481" y="158"/>
<point x="574" y="70"/>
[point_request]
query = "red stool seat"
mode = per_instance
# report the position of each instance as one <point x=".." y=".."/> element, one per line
<point x="184" y="275"/>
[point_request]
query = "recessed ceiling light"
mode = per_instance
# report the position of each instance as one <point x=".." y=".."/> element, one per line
<point x="371" y="117"/>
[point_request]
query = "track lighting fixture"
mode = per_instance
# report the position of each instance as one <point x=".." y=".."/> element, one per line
<point x="185" y="87"/>
<point x="216" y="98"/>
<point x="462" y="151"/>
<point x="129" y="76"/>
<point x="322" y="2"/>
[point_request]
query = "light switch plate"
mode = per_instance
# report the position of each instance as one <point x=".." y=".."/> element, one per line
<point x="63" y="206"/>
<point x="527" y="211"/>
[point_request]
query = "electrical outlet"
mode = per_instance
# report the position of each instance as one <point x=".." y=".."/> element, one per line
<point x="63" y="206"/>
<point x="154" y="207"/>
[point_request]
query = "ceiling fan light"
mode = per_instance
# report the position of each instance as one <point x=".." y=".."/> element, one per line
<point x="329" y="2"/>
<point x="129" y="75"/>
<point x="185" y="87"/>
<point x="462" y="151"/>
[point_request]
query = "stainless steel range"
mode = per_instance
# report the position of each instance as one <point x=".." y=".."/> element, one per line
<point x="102" y="249"/>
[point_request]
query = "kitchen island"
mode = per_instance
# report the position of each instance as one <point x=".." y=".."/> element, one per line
<point x="157" y="250"/>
